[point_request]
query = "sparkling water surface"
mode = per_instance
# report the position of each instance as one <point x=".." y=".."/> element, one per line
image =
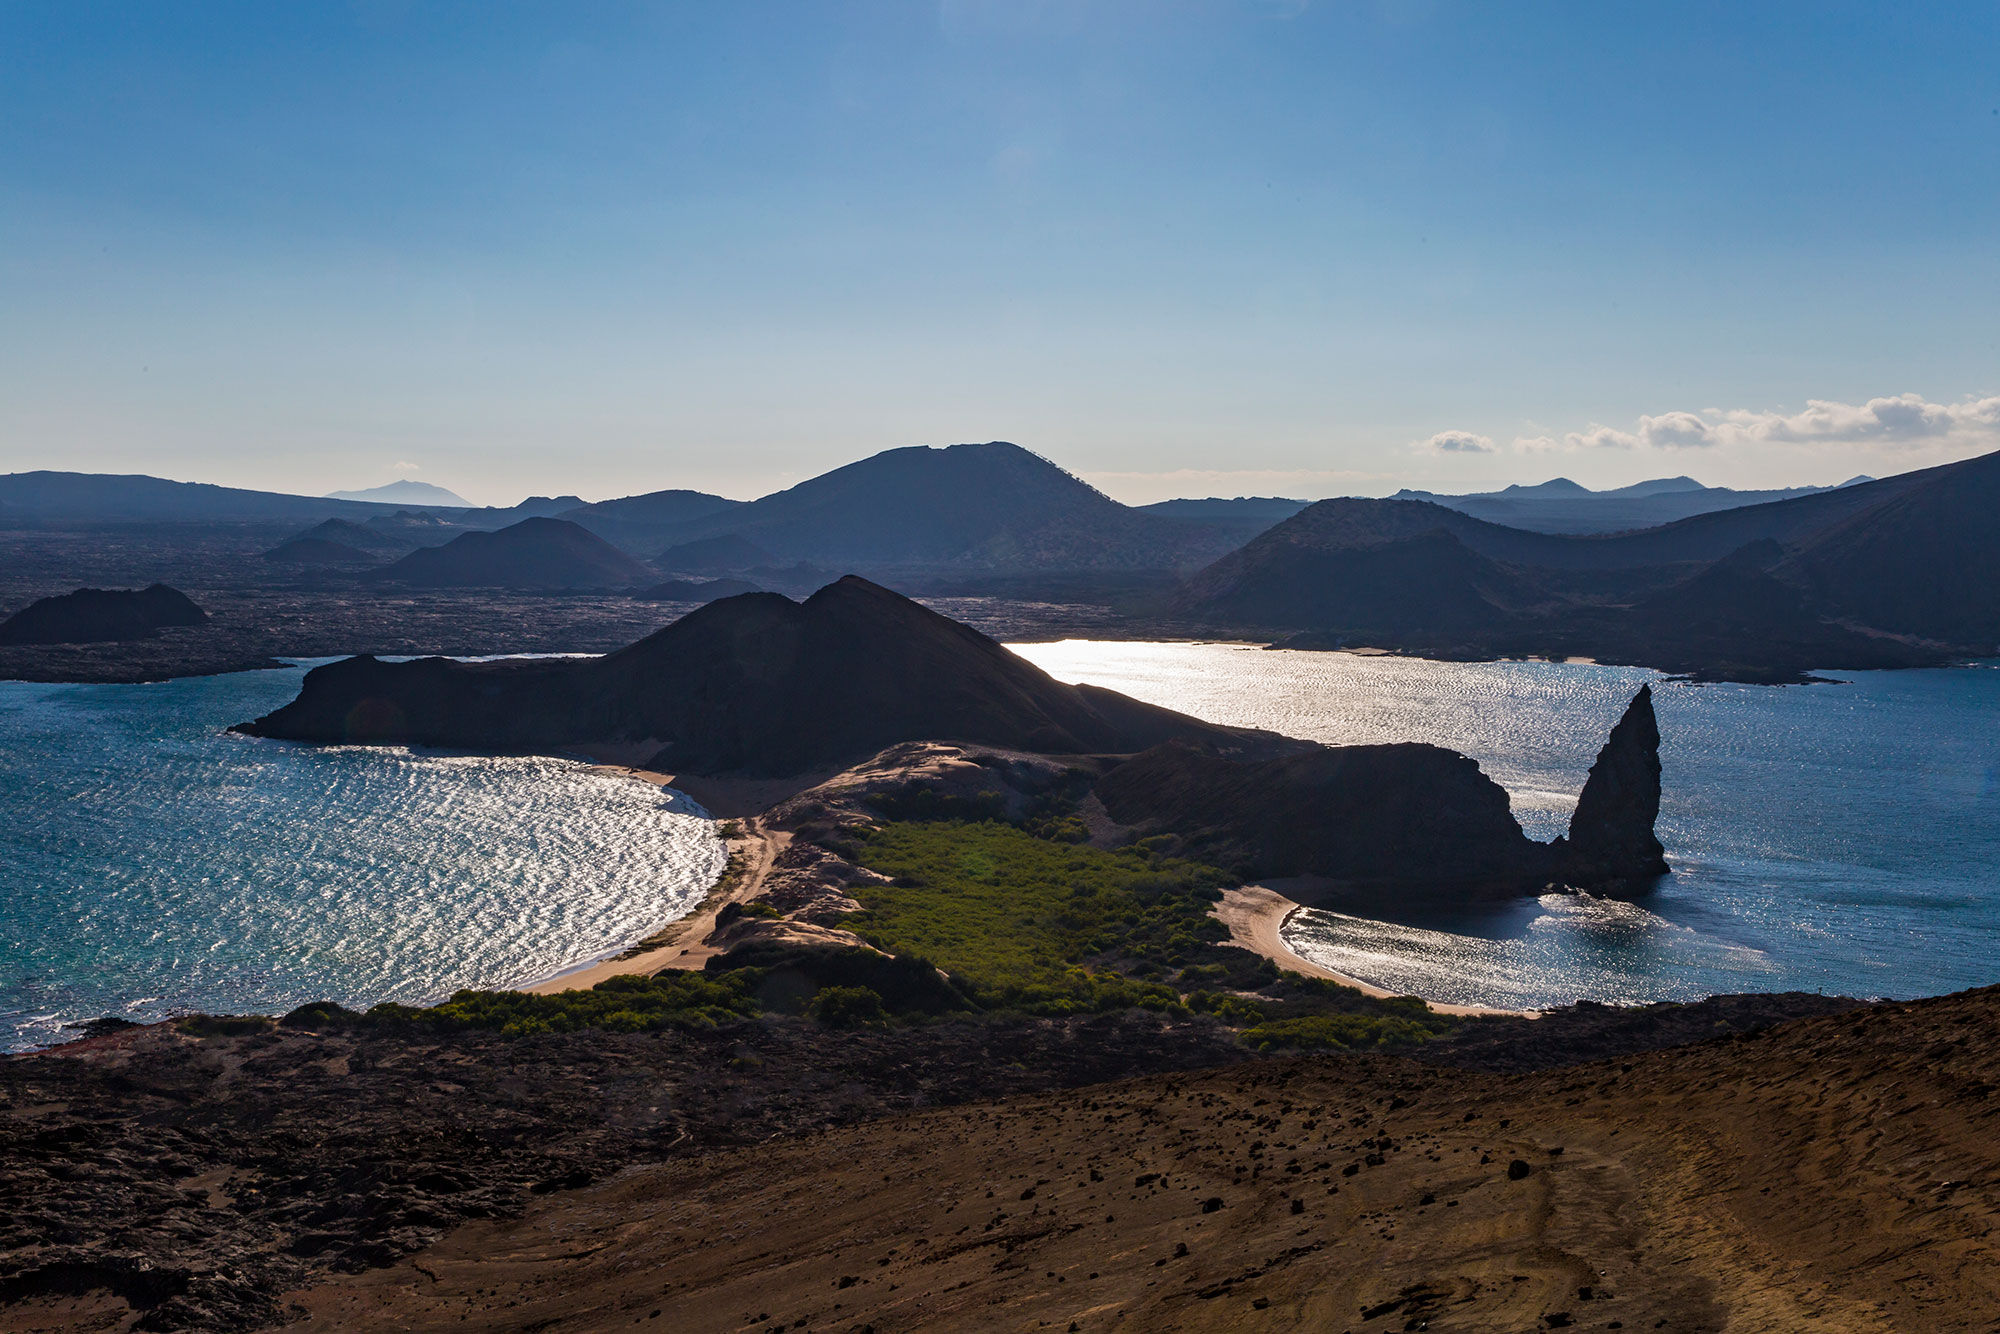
<point x="152" y="864"/>
<point x="1838" y="838"/>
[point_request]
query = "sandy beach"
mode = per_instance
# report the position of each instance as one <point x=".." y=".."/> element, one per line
<point x="1256" y="916"/>
<point x="683" y="943"/>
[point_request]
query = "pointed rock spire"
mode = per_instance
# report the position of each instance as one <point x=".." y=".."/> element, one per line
<point x="1611" y="844"/>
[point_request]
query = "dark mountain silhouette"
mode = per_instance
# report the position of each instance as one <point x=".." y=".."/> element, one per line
<point x="1215" y="509"/>
<point x="381" y="533"/>
<point x="334" y="542"/>
<point x="97" y="497"/>
<point x="94" y="615"/>
<point x="319" y="551"/>
<point x="535" y="553"/>
<point x="1240" y="519"/>
<point x="1562" y="506"/>
<point x="1407" y="815"/>
<point x="714" y="555"/>
<point x="1429" y="581"/>
<point x="534" y="507"/>
<point x="986" y="507"/>
<point x="696" y="590"/>
<point x="1898" y="572"/>
<point x="757" y="684"/>
<point x="642" y="523"/>
<point x="1926" y="561"/>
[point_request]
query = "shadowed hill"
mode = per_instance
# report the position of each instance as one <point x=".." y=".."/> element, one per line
<point x="1854" y="577"/>
<point x="95" y="615"/>
<point x="387" y="532"/>
<point x="1926" y="561"/>
<point x="755" y="683"/>
<point x="1415" y="578"/>
<point x="318" y="551"/>
<point x="535" y="553"/>
<point x="643" y="522"/>
<point x="989" y="507"/>
<point x="99" y="497"/>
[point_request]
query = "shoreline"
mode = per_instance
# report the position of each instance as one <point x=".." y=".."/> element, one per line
<point x="1255" y="914"/>
<point x="1256" y="917"/>
<point x="683" y="942"/>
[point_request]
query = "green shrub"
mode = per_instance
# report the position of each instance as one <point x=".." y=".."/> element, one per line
<point x="1347" y="1032"/>
<point x="628" y="1004"/>
<point x="846" y="1007"/>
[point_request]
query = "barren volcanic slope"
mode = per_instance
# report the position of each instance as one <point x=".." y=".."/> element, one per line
<point x="1833" y="1174"/>
<point x="756" y="683"/>
<point x="534" y="553"/>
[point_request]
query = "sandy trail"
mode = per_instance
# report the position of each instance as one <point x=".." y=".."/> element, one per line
<point x="1256" y="916"/>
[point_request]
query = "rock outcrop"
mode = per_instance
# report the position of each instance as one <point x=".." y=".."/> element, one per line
<point x="1406" y="815"/>
<point x="756" y="684"/>
<point x="1611" y="843"/>
<point x="95" y="615"/>
<point x="1408" y="820"/>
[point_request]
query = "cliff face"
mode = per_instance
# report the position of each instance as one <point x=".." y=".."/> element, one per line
<point x="1611" y="843"/>
<point x="1407" y="818"/>
<point x="1410" y="815"/>
<point x="95" y="615"/>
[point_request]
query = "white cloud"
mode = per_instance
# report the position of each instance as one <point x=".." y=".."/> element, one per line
<point x="1903" y="421"/>
<point x="403" y="467"/>
<point x="1457" y="442"/>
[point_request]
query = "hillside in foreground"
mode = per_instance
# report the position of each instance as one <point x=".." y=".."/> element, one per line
<point x="1832" y="1173"/>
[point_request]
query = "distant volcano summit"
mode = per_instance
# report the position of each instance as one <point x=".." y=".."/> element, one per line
<point x="406" y="492"/>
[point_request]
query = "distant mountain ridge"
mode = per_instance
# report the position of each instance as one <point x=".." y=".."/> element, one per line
<point x="1896" y="572"/>
<point x="534" y="553"/>
<point x="1560" y="505"/>
<point x="990" y="507"/>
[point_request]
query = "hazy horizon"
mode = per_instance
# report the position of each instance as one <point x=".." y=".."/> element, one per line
<point x="1252" y="248"/>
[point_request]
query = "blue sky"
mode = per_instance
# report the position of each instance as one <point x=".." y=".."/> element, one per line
<point x="1181" y="248"/>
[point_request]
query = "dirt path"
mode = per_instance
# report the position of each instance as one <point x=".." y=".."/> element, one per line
<point x="1256" y="915"/>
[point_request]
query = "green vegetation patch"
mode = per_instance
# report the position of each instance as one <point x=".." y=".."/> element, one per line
<point x="1049" y="926"/>
<point x="617" y="1005"/>
<point x="1026" y="923"/>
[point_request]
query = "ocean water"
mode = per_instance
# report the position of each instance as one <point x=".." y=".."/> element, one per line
<point x="153" y="864"/>
<point x="1837" y="838"/>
